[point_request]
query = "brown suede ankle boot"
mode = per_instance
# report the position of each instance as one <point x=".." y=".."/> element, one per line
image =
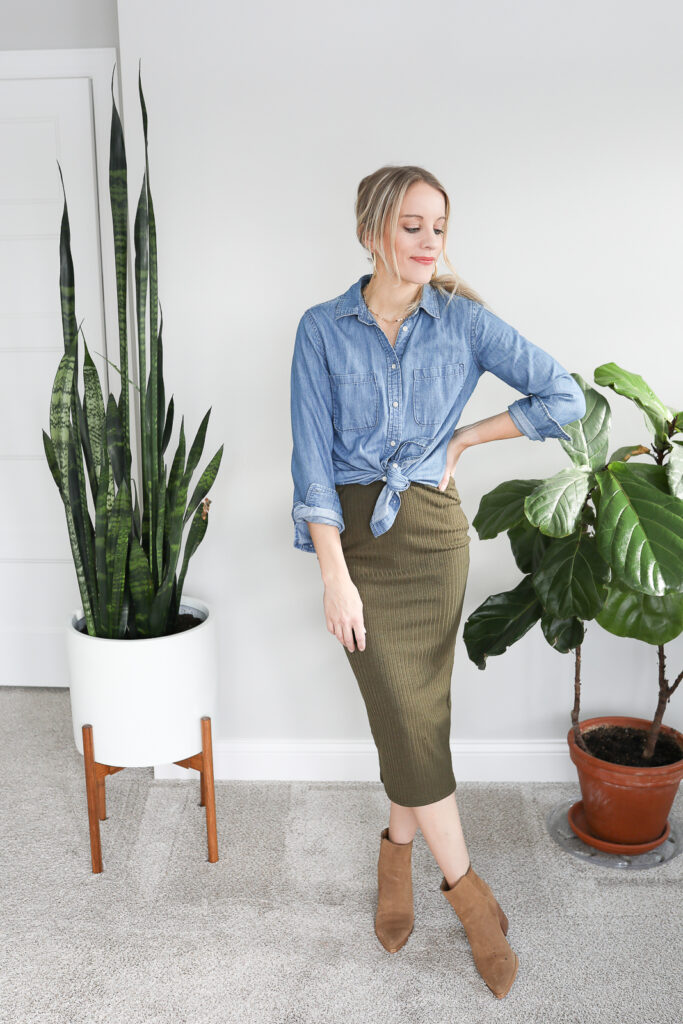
<point x="495" y="960"/>
<point x="395" y="916"/>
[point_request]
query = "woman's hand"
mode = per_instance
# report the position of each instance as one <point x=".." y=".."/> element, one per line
<point x="344" y="612"/>
<point x="456" y="446"/>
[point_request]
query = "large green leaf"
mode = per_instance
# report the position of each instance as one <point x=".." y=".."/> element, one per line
<point x="640" y="528"/>
<point x="655" y="620"/>
<point x="555" y="505"/>
<point x="564" y="635"/>
<point x="528" y="545"/>
<point x="502" y="507"/>
<point x="674" y="469"/>
<point x="589" y="436"/>
<point x="500" y="621"/>
<point x="570" y="581"/>
<point x="632" y="386"/>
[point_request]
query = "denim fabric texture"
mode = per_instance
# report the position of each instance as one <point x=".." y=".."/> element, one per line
<point x="363" y="410"/>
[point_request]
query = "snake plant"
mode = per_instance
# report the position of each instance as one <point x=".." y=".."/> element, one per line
<point x="601" y="539"/>
<point x="126" y="552"/>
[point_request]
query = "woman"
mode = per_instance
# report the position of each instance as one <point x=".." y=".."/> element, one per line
<point x="380" y="376"/>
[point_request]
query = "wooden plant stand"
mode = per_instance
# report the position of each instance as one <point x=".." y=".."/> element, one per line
<point x="96" y="773"/>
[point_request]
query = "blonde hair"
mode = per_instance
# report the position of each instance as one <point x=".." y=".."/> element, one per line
<point x="378" y="203"/>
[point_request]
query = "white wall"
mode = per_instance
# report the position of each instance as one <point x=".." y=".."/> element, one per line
<point x="556" y="130"/>
<point x="69" y="24"/>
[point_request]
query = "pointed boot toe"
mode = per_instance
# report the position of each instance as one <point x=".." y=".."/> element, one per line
<point x="496" y="962"/>
<point x="395" y="916"/>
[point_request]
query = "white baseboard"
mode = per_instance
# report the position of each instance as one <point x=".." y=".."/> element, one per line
<point x="338" y="761"/>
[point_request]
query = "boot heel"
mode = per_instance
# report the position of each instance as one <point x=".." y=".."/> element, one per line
<point x="496" y="962"/>
<point x="504" y="924"/>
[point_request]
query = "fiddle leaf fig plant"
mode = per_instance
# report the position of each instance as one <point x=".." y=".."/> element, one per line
<point x="126" y="547"/>
<point x="602" y="539"/>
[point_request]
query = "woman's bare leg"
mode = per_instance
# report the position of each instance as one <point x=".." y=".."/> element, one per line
<point x="440" y="825"/>
<point x="402" y="824"/>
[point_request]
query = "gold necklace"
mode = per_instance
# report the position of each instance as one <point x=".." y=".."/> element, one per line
<point x="388" y="320"/>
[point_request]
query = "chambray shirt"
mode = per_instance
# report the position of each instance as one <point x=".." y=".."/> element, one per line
<point x="363" y="410"/>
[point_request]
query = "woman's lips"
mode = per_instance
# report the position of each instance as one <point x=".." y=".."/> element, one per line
<point x="423" y="259"/>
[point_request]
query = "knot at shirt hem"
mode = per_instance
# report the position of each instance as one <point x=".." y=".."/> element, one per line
<point x="388" y="501"/>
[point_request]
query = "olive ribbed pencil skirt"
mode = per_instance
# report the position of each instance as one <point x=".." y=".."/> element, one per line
<point x="411" y="581"/>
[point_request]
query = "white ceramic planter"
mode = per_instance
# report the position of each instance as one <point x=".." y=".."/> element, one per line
<point x="144" y="698"/>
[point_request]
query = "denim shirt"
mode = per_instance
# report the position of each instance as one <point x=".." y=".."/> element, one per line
<point x="363" y="410"/>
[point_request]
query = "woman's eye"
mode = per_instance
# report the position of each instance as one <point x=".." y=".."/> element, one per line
<point x="437" y="231"/>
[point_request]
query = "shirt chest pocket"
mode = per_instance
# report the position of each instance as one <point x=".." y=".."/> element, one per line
<point x="435" y="389"/>
<point x="355" y="400"/>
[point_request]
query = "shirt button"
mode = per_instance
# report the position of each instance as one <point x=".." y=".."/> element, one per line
<point x="384" y="478"/>
<point x="392" y="443"/>
<point x="405" y="328"/>
<point x="394" y="403"/>
<point x="393" y="366"/>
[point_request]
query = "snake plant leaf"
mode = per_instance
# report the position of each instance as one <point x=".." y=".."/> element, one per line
<point x="655" y="620"/>
<point x="528" y="545"/>
<point x="205" y="483"/>
<point x="116" y="548"/>
<point x="197" y="448"/>
<point x="168" y="426"/>
<point x="589" y="436"/>
<point x="161" y="391"/>
<point x="628" y="452"/>
<point x="118" y="195"/>
<point x="674" y="469"/>
<point x="82" y="526"/>
<point x="158" y="564"/>
<point x="52" y="459"/>
<point x="195" y="536"/>
<point x="502" y="507"/>
<point x="632" y="385"/>
<point x="115" y="446"/>
<point x="141" y="587"/>
<point x="570" y="581"/>
<point x="500" y="621"/>
<point x="101" y="514"/>
<point x="60" y="413"/>
<point x="93" y="408"/>
<point x="66" y="277"/>
<point x="640" y="528"/>
<point x="564" y="635"/>
<point x="555" y="505"/>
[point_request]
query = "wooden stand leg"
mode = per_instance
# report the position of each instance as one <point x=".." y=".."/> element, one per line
<point x="95" y="777"/>
<point x="91" y="789"/>
<point x="208" y="791"/>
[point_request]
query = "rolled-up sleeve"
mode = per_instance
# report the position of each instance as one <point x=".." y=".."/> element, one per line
<point x="553" y="396"/>
<point x="315" y="497"/>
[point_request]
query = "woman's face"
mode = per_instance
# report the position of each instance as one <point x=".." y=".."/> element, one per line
<point x="419" y="234"/>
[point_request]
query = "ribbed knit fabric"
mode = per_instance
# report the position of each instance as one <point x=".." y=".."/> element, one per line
<point x="411" y="580"/>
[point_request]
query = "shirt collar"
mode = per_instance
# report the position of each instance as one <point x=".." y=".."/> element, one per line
<point x="352" y="302"/>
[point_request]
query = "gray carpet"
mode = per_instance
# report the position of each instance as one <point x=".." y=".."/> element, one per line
<point x="281" y="928"/>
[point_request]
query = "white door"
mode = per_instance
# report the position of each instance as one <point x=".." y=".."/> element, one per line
<point x="42" y="121"/>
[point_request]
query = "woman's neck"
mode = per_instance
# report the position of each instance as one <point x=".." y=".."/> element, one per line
<point x="390" y="299"/>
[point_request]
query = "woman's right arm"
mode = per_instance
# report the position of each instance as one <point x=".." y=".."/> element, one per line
<point x="316" y="510"/>
<point x="341" y="600"/>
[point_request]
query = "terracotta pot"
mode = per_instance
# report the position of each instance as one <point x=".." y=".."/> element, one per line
<point x="623" y="804"/>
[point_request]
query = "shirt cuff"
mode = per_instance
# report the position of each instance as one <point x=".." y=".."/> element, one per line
<point x="322" y="505"/>
<point x="531" y="416"/>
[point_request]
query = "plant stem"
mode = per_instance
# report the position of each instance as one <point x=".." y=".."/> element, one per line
<point x="665" y="692"/>
<point x="578" y="738"/>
